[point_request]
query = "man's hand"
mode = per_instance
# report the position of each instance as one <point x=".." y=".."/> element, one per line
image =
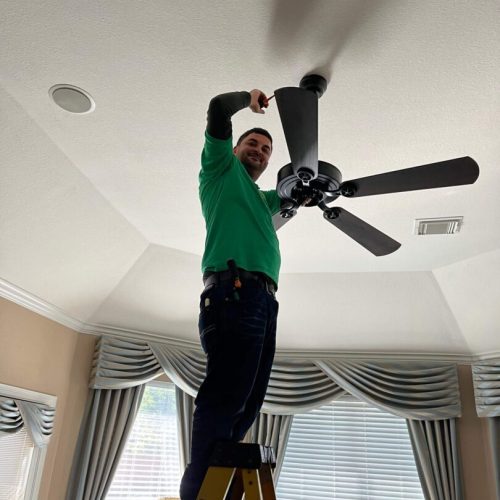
<point x="258" y="101"/>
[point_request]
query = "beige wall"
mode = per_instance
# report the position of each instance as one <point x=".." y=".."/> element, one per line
<point x="41" y="355"/>
<point x="477" y="465"/>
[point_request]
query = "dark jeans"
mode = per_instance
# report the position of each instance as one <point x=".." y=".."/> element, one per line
<point x="239" y="339"/>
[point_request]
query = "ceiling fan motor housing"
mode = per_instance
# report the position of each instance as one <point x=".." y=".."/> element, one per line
<point x="314" y="83"/>
<point x="321" y="189"/>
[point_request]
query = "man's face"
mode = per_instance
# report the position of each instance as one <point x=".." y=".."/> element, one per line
<point x="254" y="152"/>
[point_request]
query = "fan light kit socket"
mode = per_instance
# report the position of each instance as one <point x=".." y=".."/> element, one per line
<point x="72" y="99"/>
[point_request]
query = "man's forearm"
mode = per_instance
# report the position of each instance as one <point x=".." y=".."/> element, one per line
<point x="220" y="111"/>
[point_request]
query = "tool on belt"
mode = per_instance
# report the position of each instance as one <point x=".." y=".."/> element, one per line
<point x="235" y="277"/>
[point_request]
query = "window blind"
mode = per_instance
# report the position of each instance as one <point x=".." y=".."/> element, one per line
<point x="347" y="450"/>
<point x="149" y="466"/>
<point x="16" y="451"/>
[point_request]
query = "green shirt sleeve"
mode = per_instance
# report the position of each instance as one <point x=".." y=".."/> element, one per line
<point x="216" y="157"/>
<point x="273" y="200"/>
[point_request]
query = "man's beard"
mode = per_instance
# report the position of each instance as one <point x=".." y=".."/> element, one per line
<point x="250" y="167"/>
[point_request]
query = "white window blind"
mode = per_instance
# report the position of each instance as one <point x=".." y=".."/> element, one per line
<point x="347" y="450"/>
<point x="16" y="451"/>
<point x="149" y="466"/>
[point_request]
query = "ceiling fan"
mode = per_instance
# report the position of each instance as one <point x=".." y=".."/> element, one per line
<point x="306" y="181"/>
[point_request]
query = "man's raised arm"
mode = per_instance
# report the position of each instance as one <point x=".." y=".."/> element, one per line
<point x="224" y="106"/>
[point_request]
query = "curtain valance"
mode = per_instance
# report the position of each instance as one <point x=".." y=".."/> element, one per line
<point x="411" y="389"/>
<point x="486" y="378"/>
<point x="122" y="363"/>
<point x="296" y="386"/>
<point x="10" y="417"/>
<point x="184" y="367"/>
<point x="38" y="418"/>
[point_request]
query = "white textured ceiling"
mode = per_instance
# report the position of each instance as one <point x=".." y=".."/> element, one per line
<point x="99" y="212"/>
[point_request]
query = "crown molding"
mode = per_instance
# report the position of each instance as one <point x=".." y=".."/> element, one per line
<point x="25" y="299"/>
<point x="459" y="358"/>
<point x="113" y="331"/>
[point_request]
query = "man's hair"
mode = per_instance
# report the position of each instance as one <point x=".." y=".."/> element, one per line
<point x="255" y="130"/>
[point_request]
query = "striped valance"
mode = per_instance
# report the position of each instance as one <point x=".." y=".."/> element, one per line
<point x="486" y="377"/>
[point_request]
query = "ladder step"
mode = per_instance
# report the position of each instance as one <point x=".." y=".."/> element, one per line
<point x="227" y="483"/>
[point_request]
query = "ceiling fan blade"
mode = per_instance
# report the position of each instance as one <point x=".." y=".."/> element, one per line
<point x="454" y="172"/>
<point x="367" y="236"/>
<point x="298" y="109"/>
<point x="279" y="221"/>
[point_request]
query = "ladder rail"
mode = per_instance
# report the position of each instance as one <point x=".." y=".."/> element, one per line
<point x="239" y="468"/>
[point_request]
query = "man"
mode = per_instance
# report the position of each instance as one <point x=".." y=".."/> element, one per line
<point x="238" y="309"/>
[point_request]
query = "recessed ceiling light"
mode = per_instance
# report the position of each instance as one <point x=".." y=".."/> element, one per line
<point x="72" y="99"/>
<point x="440" y="225"/>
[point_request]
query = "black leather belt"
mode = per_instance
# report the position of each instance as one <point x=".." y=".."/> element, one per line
<point x="224" y="277"/>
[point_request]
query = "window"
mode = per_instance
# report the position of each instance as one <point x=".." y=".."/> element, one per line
<point x="348" y="450"/>
<point x="21" y="462"/>
<point x="149" y="466"/>
<point x="15" y="459"/>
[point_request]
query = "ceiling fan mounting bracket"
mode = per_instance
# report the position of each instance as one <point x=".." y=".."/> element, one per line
<point x="314" y="83"/>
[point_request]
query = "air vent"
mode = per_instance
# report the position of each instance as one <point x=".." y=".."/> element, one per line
<point x="441" y="225"/>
